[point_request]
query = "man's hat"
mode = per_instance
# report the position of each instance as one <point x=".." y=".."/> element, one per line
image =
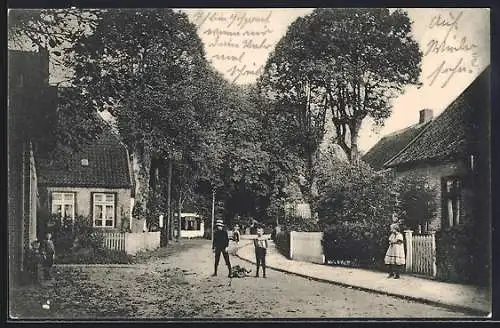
<point x="219" y="223"/>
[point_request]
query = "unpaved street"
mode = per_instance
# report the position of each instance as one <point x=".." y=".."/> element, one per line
<point x="179" y="285"/>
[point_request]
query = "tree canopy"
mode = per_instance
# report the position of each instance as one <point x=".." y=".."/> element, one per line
<point x="351" y="62"/>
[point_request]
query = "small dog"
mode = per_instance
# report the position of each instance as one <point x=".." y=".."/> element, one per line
<point x="239" y="272"/>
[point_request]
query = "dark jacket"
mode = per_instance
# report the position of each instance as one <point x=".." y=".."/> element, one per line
<point x="221" y="239"/>
<point x="47" y="247"/>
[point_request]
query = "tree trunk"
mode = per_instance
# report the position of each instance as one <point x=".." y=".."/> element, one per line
<point x="168" y="226"/>
<point x="142" y="167"/>
<point x="179" y="217"/>
<point x="354" y="153"/>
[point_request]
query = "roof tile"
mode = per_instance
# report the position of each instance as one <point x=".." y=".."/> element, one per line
<point x="108" y="166"/>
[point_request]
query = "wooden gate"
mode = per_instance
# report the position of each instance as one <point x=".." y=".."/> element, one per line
<point x="421" y="253"/>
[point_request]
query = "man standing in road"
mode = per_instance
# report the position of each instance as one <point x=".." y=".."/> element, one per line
<point x="220" y="245"/>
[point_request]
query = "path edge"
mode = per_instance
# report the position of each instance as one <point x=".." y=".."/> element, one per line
<point x="468" y="310"/>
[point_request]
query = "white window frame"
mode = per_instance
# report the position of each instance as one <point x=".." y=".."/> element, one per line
<point x="104" y="203"/>
<point x="66" y="198"/>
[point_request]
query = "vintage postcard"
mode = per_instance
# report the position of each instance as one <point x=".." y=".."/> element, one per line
<point x="264" y="163"/>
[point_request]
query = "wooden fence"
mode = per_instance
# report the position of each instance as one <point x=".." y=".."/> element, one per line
<point x="131" y="243"/>
<point x="114" y="240"/>
<point x="421" y="253"/>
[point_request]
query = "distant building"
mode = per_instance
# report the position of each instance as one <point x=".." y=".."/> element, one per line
<point x="192" y="225"/>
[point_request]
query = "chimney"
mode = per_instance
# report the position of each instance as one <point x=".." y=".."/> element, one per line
<point x="425" y="116"/>
<point x="85" y="162"/>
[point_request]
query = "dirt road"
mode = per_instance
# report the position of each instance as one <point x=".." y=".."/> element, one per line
<point x="179" y="285"/>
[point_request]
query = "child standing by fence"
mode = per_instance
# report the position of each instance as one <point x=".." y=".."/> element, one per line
<point x="395" y="255"/>
<point x="260" y="244"/>
<point x="48" y="252"/>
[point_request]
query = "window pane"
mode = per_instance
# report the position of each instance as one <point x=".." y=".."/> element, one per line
<point x="450" y="213"/>
<point x="109" y="223"/>
<point x="68" y="211"/>
<point x="110" y="197"/>
<point x="56" y="209"/>
<point x="68" y="197"/>
<point x="98" y="223"/>
<point x="449" y="185"/>
<point x="98" y="211"/>
<point x="109" y="212"/>
<point x="56" y="196"/>
<point x="98" y="197"/>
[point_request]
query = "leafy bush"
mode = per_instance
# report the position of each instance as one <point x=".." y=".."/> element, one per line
<point x="69" y="236"/>
<point x="355" y="213"/>
<point x="459" y="255"/>
<point x="356" y="243"/>
<point x="417" y="201"/>
<point x="95" y="256"/>
<point x="299" y="224"/>
<point x="282" y="242"/>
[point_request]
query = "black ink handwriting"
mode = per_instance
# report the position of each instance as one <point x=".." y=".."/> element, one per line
<point x="451" y="23"/>
<point x="236" y="71"/>
<point x="448" y="71"/>
<point x="241" y="20"/>
<point x="224" y="57"/>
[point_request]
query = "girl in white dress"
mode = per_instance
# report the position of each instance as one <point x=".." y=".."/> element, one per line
<point x="395" y="255"/>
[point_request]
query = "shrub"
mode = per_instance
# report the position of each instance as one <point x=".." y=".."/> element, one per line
<point x="356" y="243"/>
<point x="355" y="213"/>
<point x="282" y="242"/>
<point x="93" y="256"/>
<point x="299" y="224"/>
<point x="459" y="255"/>
<point x="69" y="236"/>
<point x="417" y="201"/>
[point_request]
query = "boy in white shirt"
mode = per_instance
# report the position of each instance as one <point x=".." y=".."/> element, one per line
<point x="260" y="244"/>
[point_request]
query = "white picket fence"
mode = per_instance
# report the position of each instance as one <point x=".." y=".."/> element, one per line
<point x="131" y="243"/>
<point x="421" y="253"/>
<point x="114" y="240"/>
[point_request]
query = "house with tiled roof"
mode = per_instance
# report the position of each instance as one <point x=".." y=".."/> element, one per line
<point x="393" y="143"/>
<point x="95" y="182"/>
<point x="453" y="153"/>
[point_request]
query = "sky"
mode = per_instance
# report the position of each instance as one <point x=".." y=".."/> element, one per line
<point x="455" y="43"/>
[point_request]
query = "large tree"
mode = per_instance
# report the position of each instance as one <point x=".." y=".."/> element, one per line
<point x="55" y="126"/>
<point x="349" y="61"/>
<point x="297" y="115"/>
<point x="49" y="29"/>
<point x="138" y="65"/>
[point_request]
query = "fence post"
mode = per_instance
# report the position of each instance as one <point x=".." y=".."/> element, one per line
<point x="291" y="245"/>
<point x="433" y="243"/>
<point x="409" y="249"/>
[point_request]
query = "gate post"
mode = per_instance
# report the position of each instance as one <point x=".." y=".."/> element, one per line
<point x="433" y="243"/>
<point x="409" y="249"/>
<point x="291" y="245"/>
